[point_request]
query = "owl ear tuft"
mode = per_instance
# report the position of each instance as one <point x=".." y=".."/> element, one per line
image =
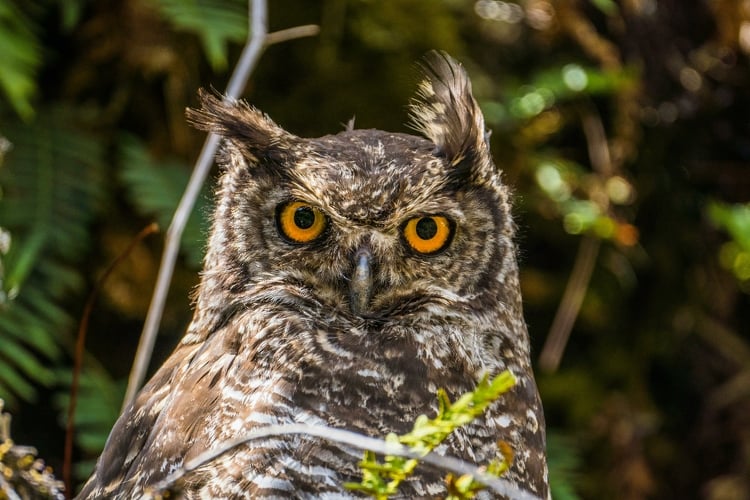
<point x="445" y="112"/>
<point x="248" y="129"/>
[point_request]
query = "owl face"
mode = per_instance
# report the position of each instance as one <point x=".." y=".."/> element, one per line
<point x="370" y="230"/>
<point x="365" y="222"/>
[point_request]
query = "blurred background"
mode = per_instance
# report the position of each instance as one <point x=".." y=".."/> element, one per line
<point x="623" y="127"/>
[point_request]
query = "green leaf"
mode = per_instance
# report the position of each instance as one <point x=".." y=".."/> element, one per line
<point x="83" y="468"/>
<point x="382" y="480"/>
<point x="564" y="462"/>
<point x="734" y="219"/>
<point x="97" y="408"/>
<point x="53" y="187"/>
<point x="16" y="384"/>
<point x="71" y="11"/>
<point x="22" y="56"/>
<point x="554" y="86"/>
<point x="215" y="22"/>
<point x="155" y="188"/>
<point x="609" y="7"/>
<point x="20" y="357"/>
<point x="22" y="258"/>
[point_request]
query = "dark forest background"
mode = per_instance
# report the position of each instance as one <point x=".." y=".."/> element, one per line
<point x="623" y="126"/>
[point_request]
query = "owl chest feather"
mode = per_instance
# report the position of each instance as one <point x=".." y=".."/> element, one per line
<point x="313" y="376"/>
<point x="266" y="367"/>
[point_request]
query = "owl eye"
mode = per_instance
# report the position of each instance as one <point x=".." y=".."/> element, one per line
<point x="299" y="222"/>
<point x="428" y="234"/>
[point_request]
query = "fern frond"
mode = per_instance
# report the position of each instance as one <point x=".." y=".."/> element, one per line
<point x="215" y="22"/>
<point x="155" y="188"/>
<point x="564" y="464"/>
<point x="53" y="187"/>
<point x="22" y="56"/>
<point x="97" y="407"/>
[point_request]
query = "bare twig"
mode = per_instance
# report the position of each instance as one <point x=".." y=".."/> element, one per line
<point x="259" y="38"/>
<point x="588" y="251"/>
<point x="588" y="37"/>
<point x="449" y="464"/>
<point x="292" y="33"/>
<point x="570" y="305"/>
<point x="249" y="57"/>
<point x="596" y="143"/>
<point x="78" y="355"/>
<point x="726" y="342"/>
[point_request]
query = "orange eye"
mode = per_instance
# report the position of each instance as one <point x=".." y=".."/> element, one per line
<point x="299" y="222"/>
<point x="429" y="234"/>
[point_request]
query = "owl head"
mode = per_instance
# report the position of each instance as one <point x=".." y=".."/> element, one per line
<point x="365" y="224"/>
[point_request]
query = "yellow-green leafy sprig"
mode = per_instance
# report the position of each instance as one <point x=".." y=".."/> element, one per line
<point x="381" y="480"/>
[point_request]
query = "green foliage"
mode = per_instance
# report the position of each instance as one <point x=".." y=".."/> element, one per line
<point x="97" y="408"/>
<point x="563" y="462"/>
<point x="582" y="198"/>
<point x="609" y="7"/>
<point x="215" y="22"/>
<point x="22" y="56"/>
<point x="583" y="201"/>
<point x="735" y="254"/>
<point x="70" y="12"/>
<point x="155" y="188"/>
<point x="552" y="87"/>
<point x="53" y="188"/>
<point x="382" y="480"/>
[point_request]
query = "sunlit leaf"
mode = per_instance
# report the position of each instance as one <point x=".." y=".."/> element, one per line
<point x="735" y="219"/>
<point x="215" y="22"/>
<point x="21" y="56"/>
<point x="155" y="188"/>
<point x="98" y="406"/>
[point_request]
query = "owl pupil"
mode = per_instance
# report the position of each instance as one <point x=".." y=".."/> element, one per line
<point x="426" y="228"/>
<point x="304" y="217"/>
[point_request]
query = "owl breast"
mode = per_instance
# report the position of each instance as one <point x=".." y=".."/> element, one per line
<point x="314" y="376"/>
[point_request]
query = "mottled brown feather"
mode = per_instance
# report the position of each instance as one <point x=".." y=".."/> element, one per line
<point x="277" y="337"/>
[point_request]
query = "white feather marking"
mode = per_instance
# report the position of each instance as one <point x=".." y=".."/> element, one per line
<point x="367" y="373"/>
<point x="272" y="483"/>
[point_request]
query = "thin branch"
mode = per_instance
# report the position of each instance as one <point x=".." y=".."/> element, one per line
<point x="570" y="305"/>
<point x="730" y="345"/>
<point x="449" y="464"/>
<point x="292" y="33"/>
<point x="596" y="143"/>
<point x="80" y="348"/>
<point x="249" y="57"/>
<point x="588" y="251"/>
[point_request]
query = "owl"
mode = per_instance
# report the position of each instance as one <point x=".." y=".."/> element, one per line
<point x="347" y="278"/>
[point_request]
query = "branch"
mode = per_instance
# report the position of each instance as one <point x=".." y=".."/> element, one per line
<point x="570" y="305"/>
<point x="257" y="41"/>
<point x="588" y="251"/>
<point x="80" y="351"/>
<point x="450" y="464"/>
<point x="249" y="57"/>
<point x="292" y="33"/>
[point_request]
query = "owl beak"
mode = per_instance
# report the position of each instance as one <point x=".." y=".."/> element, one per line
<point x="360" y="286"/>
